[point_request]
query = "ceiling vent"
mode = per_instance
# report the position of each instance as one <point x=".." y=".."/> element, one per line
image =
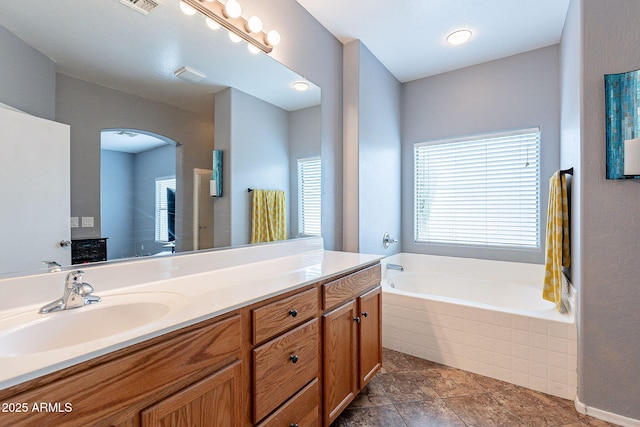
<point x="142" y="6"/>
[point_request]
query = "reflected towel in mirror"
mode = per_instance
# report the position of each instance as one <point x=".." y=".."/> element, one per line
<point x="268" y="219"/>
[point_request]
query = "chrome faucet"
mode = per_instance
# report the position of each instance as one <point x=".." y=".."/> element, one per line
<point x="395" y="267"/>
<point x="76" y="294"/>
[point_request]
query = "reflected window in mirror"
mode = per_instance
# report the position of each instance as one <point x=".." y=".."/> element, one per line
<point x="309" y="196"/>
<point x="165" y="209"/>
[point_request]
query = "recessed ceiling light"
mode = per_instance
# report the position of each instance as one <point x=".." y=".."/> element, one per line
<point x="458" y="37"/>
<point x="300" y="86"/>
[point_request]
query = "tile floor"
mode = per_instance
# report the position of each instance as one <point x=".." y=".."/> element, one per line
<point x="412" y="392"/>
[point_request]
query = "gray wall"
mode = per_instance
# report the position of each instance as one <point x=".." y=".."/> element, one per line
<point x="519" y="91"/>
<point x="304" y="141"/>
<point x="27" y="77"/>
<point x="311" y="51"/>
<point x="117" y="203"/>
<point x="371" y="152"/>
<point x="256" y="156"/>
<point x="608" y="269"/>
<point x="89" y="108"/>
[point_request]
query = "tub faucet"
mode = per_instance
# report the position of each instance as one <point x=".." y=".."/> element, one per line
<point x="76" y="294"/>
<point x="395" y="267"/>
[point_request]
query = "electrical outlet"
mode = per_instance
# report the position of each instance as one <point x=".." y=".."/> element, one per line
<point x="74" y="222"/>
<point x="87" y="221"/>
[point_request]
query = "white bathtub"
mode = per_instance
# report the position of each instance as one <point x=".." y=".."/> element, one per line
<point x="482" y="316"/>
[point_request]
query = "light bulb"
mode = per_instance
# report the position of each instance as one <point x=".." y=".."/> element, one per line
<point x="300" y="86"/>
<point x="211" y="23"/>
<point x="273" y="38"/>
<point x="458" y="37"/>
<point x="233" y="9"/>
<point x="253" y="49"/>
<point x="186" y="9"/>
<point x="254" y="24"/>
<point x="234" y="37"/>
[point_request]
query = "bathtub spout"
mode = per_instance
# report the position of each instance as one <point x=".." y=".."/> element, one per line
<point x="395" y="267"/>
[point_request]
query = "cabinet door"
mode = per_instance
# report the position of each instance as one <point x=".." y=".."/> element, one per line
<point x="340" y="360"/>
<point x="215" y="401"/>
<point x="370" y="339"/>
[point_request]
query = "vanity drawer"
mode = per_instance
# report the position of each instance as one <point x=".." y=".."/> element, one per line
<point x="279" y="316"/>
<point x="302" y="410"/>
<point x="283" y="366"/>
<point x="349" y="287"/>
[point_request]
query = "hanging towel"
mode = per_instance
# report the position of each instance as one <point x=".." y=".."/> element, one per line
<point x="268" y="219"/>
<point x="558" y="248"/>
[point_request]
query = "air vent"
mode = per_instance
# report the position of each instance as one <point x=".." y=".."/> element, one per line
<point x="142" y="6"/>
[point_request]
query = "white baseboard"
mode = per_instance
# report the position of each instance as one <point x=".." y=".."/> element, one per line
<point x="604" y="415"/>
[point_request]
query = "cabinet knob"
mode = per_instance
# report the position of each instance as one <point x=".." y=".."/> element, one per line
<point x="293" y="312"/>
<point x="293" y="425"/>
<point x="357" y="319"/>
<point x="365" y="314"/>
<point x="293" y="358"/>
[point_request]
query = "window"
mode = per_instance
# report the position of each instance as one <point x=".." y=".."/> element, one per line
<point x="165" y="209"/>
<point x="309" y="196"/>
<point x="480" y="191"/>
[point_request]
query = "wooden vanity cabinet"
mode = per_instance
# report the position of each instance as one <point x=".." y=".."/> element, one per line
<point x="370" y="335"/>
<point x="352" y="344"/>
<point x="286" y="361"/>
<point x="295" y="359"/>
<point x="214" y="401"/>
<point x="181" y="375"/>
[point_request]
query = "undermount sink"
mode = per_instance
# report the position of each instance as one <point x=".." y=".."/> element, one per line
<point x="31" y="332"/>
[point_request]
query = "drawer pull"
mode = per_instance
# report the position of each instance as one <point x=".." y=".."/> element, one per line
<point x="293" y="358"/>
<point x="293" y="425"/>
<point x="293" y="312"/>
<point x="357" y="319"/>
<point x="365" y="314"/>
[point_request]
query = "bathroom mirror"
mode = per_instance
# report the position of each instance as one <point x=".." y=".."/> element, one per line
<point x="100" y="66"/>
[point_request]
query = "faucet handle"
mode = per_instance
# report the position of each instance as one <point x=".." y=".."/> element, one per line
<point x="74" y="277"/>
<point x="84" y="289"/>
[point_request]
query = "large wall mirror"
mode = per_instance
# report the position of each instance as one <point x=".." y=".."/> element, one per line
<point x="109" y="73"/>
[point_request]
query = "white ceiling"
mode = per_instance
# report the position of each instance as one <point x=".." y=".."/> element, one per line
<point x="408" y="36"/>
<point x="129" y="141"/>
<point x="106" y="42"/>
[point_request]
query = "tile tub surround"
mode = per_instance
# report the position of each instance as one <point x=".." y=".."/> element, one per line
<point x="525" y="351"/>
<point x="534" y="352"/>
<point x="212" y="283"/>
<point x="414" y="392"/>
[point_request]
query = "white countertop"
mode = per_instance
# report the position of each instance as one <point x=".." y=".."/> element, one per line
<point x="197" y="293"/>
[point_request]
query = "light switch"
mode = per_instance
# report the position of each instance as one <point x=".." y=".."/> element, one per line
<point x="87" y="221"/>
<point x="74" y="222"/>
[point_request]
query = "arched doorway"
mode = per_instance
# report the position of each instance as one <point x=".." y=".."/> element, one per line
<point x="137" y="192"/>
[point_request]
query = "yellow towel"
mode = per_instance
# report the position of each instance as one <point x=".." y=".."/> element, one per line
<point x="268" y="219"/>
<point x="558" y="248"/>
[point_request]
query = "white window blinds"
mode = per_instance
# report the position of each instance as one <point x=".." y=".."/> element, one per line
<point x="309" y="196"/>
<point x="481" y="191"/>
<point x="162" y="207"/>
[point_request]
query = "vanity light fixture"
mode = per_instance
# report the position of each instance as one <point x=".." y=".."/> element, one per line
<point x="229" y="16"/>
<point x="459" y="37"/>
<point x="300" y="86"/>
<point x="186" y="9"/>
